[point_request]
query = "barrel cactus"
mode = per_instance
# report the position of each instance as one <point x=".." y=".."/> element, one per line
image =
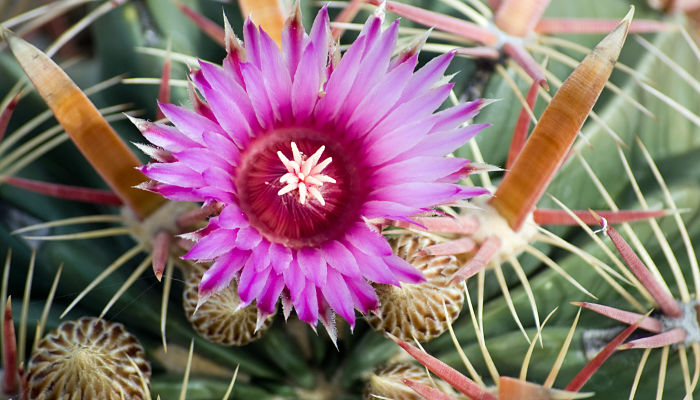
<point x="187" y="197"/>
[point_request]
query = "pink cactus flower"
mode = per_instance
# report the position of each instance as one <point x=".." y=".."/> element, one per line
<point x="299" y="151"/>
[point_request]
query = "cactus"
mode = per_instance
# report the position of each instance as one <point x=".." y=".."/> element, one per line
<point x="82" y="236"/>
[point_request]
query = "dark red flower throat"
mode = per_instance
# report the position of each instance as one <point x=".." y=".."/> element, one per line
<point x="292" y="193"/>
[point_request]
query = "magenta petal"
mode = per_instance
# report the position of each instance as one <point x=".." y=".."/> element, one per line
<point x="171" y="192"/>
<point x="320" y="34"/>
<point x="251" y="282"/>
<point x="255" y="86"/>
<point x="387" y="209"/>
<point x="268" y="298"/>
<point x="382" y="98"/>
<point x="403" y="270"/>
<point x="293" y="37"/>
<point x="372" y="70"/>
<point x="212" y="245"/>
<point x="307" y="304"/>
<point x="363" y="295"/>
<point x="341" y="259"/>
<point x="375" y="269"/>
<point x="167" y="137"/>
<point x="232" y="66"/>
<point x="201" y="159"/>
<point x="367" y="240"/>
<point x="340" y="82"/>
<point x="174" y="173"/>
<point x="225" y="148"/>
<point x="306" y="84"/>
<point x="426" y="77"/>
<point x="247" y="238"/>
<point x="220" y="179"/>
<point x="372" y="29"/>
<point x="232" y="217"/>
<point x="455" y="116"/>
<point x="251" y="40"/>
<point x="231" y="107"/>
<point x="212" y="193"/>
<point x="415" y="110"/>
<point x="312" y="265"/>
<point x="338" y="296"/>
<point x="260" y="258"/>
<point x="276" y="75"/>
<point x="445" y="142"/>
<point x="419" y="169"/>
<point x="280" y="257"/>
<point x="220" y="274"/>
<point x="189" y="122"/>
<point x="422" y="194"/>
<point x="295" y="281"/>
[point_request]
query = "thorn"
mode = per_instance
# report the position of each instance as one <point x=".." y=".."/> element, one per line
<point x="548" y="145"/>
<point x="164" y="91"/>
<point x="23" y="384"/>
<point x="668" y="338"/>
<point x="525" y="60"/>
<point x="483" y="256"/>
<point x="582" y="25"/>
<point x="669" y="306"/>
<point x="88" y="129"/>
<point x="211" y="29"/>
<point x="450" y="375"/>
<point x="562" y="217"/>
<point x="161" y="251"/>
<point x="68" y="192"/>
<point x="9" y="381"/>
<point x="649" y="324"/>
<point x="490" y="53"/>
<point x="586" y="372"/>
<point x="521" y="127"/>
<point x="440" y="21"/>
<point x="458" y="246"/>
<point x="426" y="391"/>
<point x="6" y="114"/>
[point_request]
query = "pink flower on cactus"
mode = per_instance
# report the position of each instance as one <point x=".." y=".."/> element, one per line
<point x="300" y="151"/>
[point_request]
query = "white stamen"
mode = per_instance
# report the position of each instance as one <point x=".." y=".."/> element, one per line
<point x="320" y="167"/>
<point x="325" y="178"/>
<point x="285" y="161"/>
<point x="304" y="174"/>
<point x="302" y="192"/>
<point x="287" y="189"/>
<point x="296" y="154"/>
<point x="317" y="195"/>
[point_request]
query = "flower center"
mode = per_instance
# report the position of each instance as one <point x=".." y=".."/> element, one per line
<point x="304" y="175"/>
<point x="300" y="186"/>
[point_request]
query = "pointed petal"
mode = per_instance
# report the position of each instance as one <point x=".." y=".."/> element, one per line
<point x="217" y="242"/>
<point x="220" y="274"/>
<point x="338" y="296"/>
